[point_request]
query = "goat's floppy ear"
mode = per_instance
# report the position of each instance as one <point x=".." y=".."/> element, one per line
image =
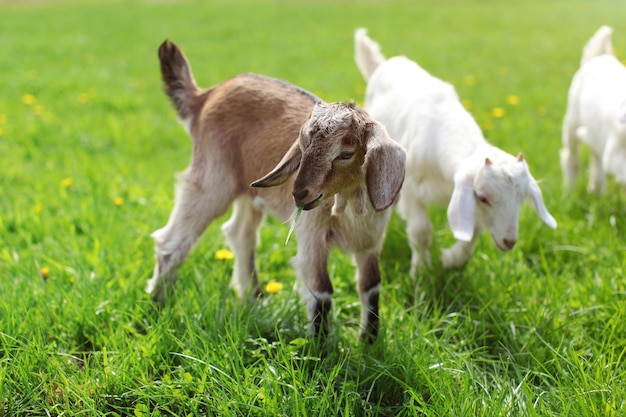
<point x="540" y="208"/>
<point x="462" y="206"/>
<point x="385" y="162"/>
<point x="287" y="166"/>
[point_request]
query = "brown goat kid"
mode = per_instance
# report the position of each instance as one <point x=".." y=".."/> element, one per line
<point x="342" y="169"/>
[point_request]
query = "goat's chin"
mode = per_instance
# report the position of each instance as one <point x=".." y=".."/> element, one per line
<point x="500" y="246"/>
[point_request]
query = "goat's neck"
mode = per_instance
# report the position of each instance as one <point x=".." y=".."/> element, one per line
<point x="356" y="198"/>
<point x="478" y="155"/>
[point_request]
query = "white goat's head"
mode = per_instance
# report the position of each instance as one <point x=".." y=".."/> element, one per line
<point x="340" y="149"/>
<point x="490" y="195"/>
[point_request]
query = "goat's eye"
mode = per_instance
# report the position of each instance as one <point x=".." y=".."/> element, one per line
<point x="344" y="156"/>
<point x="482" y="199"/>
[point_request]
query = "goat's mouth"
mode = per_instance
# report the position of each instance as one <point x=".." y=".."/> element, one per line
<point x="505" y="245"/>
<point x="312" y="204"/>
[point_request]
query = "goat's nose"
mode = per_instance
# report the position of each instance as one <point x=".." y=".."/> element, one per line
<point x="299" y="195"/>
<point x="509" y="243"/>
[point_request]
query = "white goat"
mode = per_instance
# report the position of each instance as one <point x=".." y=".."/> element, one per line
<point x="596" y="114"/>
<point x="349" y="173"/>
<point x="448" y="159"/>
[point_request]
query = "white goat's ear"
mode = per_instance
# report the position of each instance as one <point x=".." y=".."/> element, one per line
<point x="385" y="161"/>
<point x="462" y="207"/>
<point x="287" y="166"/>
<point x="540" y="208"/>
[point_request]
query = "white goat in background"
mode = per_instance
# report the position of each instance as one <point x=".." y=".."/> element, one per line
<point x="596" y="114"/>
<point x="448" y="159"/>
<point x="338" y="164"/>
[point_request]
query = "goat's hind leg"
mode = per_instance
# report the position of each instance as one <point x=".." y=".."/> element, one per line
<point x="194" y="209"/>
<point x="569" y="153"/>
<point x="596" y="174"/>
<point x="241" y="233"/>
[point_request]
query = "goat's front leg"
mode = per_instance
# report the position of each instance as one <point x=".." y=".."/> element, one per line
<point x="241" y="232"/>
<point x="419" y="231"/>
<point x="368" y="280"/>
<point x="458" y="254"/>
<point x="311" y="263"/>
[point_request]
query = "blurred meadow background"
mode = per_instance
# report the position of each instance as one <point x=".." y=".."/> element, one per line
<point x="89" y="146"/>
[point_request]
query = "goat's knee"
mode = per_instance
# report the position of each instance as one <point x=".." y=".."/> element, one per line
<point x="457" y="255"/>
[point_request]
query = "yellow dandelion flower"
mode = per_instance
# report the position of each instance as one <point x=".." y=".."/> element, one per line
<point x="273" y="287"/>
<point x="469" y="80"/>
<point x="3" y="118"/>
<point x="467" y="104"/>
<point x="66" y="182"/>
<point x="72" y="280"/>
<point x="44" y="271"/>
<point x="28" y="99"/>
<point x="224" y="254"/>
<point x="118" y="201"/>
<point x="37" y="208"/>
<point x="498" y="112"/>
<point x="512" y="100"/>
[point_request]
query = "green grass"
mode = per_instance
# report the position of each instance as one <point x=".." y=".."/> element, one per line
<point x="539" y="331"/>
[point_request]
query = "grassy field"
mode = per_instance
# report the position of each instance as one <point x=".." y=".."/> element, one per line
<point x="89" y="146"/>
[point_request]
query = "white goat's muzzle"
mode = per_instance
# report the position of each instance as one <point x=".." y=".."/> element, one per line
<point x="504" y="244"/>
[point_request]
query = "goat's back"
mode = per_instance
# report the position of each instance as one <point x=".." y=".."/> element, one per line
<point x="597" y="95"/>
<point x="424" y="114"/>
<point x="243" y="126"/>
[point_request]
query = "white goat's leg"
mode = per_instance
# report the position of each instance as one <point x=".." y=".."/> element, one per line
<point x="569" y="152"/>
<point x="596" y="175"/>
<point x="241" y="233"/>
<point x="419" y="231"/>
<point x="368" y="280"/>
<point x="194" y="209"/>
<point x="458" y="254"/>
<point x="311" y="263"/>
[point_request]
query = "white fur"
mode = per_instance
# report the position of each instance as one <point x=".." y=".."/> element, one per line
<point x="449" y="162"/>
<point x="596" y="110"/>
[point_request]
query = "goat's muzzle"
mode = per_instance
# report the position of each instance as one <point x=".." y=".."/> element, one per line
<point x="302" y="196"/>
<point x="506" y="245"/>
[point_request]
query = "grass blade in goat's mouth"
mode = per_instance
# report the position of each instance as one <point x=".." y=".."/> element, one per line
<point x="294" y="218"/>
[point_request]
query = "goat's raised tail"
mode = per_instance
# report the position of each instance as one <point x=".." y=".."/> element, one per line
<point x="599" y="44"/>
<point x="366" y="53"/>
<point x="178" y="81"/>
